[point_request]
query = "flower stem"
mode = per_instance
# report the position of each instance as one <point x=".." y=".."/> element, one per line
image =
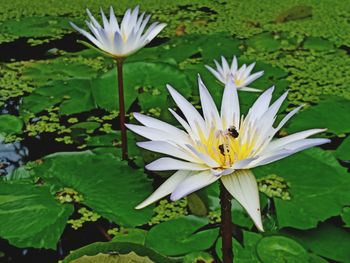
<point x="226" y="224"/>
<point x="122" y="108"/>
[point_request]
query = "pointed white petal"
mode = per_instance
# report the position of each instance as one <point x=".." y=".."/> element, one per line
<point x="169" y="149"/>
<point x="150" y="34"/>
<point x="287" y="118"/>
<point x="87" y="35"/>
<point x="204" y="157"/>
<point x="192" y="115"/>
<point x="93" y="20"/>
<point x="249" y="89"/>
<point x="193" y="183"/>
<point x="261" y="105"/>
<point x="113" y="20"/>
<point x="166" y="163"/>
<point x="248" y="70"/>
<point x="216" y="74"/>
<point x="166" y="188"/>
<point x="225" y="66"/>
<point x="161" y="125"/>
<point x="234" y="65"/>
<point x="278" y="143"/>
<point x="253" y="77"/>
<point x="153" y="134"/>
<point x="243" y="187"/>
<point x="230" y="110"/>
<point x="210" y="112"/>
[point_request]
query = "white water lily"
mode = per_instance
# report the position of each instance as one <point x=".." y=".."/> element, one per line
<point x="241" y="77"/>
<point x="123" y="40"/>
<point x="221" y="145"/>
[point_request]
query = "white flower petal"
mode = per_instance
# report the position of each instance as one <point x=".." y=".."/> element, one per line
<point x="192" y="115"/>
<point x="163" y="126"/>
<point x="261" y="105"/>
<point x="210" y="112"/>
<point x="249" y="89"/>
<point x="278" y="143"/>
<point x="230" y="110"/>
<point x="167" y="164"/>
<point x="193" y="183"/>
<point x="166" y="188"/>
<point x="234" y="65"/>
<point x="253" y="77"/>
<point x="170" y="149"/>
<point x="87" y="35"/>
<point x="216" y="74"/>
<point x="243" y="187"/>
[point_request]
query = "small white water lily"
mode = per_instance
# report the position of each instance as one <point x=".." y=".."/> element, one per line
<point x="241" y="76"/>
<point x="219" y="145"/>
<point x="123" y="40"/>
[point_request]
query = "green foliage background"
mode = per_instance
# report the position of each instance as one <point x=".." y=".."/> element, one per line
<point x="302" y="46"/>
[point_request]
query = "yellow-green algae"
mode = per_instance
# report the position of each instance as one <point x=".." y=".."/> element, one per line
<point x="85" y="216"/>
<point x="274" y="186"/>
<point x="166" y="211"/>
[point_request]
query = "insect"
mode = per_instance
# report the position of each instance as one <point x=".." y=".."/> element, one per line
<point x="222" y="149"/>
<point x="233" y="132"/>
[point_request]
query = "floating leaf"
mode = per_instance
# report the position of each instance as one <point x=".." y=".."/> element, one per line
<point x="318" y="43"/>
<point x="181" y="236"/>
<point x="345" y="216"/>
<point x="326" y="240"/>
<point x="118" y="248"/>
<point x="279" y="249"/>
<point x="264" y="42"/>
<point x="10" y="124"/>
<point x="30" y="216"/>
<point x="332" y="113"/>
<point x="104" y="182"/>
<point x="149" y="75"/>
<point x="113" y="258"/>
<point x="132" y="235"/>
<point x="318" y="188"/>
<point x="198" y="257"/>
<point x="343" y="151"/>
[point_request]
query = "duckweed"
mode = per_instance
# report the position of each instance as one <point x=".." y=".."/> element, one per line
<point x="166" y="211"/>
<point x="274" y="186"/>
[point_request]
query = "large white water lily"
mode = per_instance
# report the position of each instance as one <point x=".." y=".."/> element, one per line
<point x="241" y="77"/>
<point x="124" y="39"/>
<point x="219" y="145"/>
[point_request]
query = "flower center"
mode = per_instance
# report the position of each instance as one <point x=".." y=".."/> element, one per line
<point x="238" y="82"/>
<point x="225" y="147"/>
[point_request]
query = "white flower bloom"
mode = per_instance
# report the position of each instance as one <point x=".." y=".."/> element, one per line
<point x="219" y="145"/>
<point x="241" y="76"/>
<point x="123" y="40"/>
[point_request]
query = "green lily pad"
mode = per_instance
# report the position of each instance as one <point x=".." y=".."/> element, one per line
<point x="10" y="124"/>
<point x="73" y="96"/>
<point x="326" y="240"/>
<point x="30" y="216"/>
<point x="117" y="258"/>
<point x="181" y="236"/>
<point x="149" y="76"/>
<point x="264" y="42"/>
<point x="36" y="26"/>
<point x="318" y="188"/>
<point x="343" y="151"/>
<point x="318" y="43"/>
<point x="332" y="113"/>
<point x="115" y="248"/>
<point x="280" y="249"/>
<point x="345" y="216"/>
<point x="43" y="72"/>
<point x="196" y="257"/>
<point x="104" y="182"/>
<point x="132" y="235"/>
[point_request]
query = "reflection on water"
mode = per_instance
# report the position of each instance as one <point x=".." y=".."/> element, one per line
<point x="11" y="156"/>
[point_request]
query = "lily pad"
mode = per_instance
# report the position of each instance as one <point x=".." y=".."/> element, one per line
<point x="326" y="240"/>
<point x="132" y="235"/>
<point x="318" y="188"/>
<point x="10" y="124"/>
<point x="104" y="182"/>
<point x="279" y="249"/>
<point x="149" y="76"/>
<point x="181" y="236"/>
<point x="264" y="42"/>
<point x="332" y="113"/>
<point x="343" y="151"/>
<point x="115" y="248"/>
<point x="318" y="43"/>
<point x="113" y="258"/>
<point x="30" y="216"/>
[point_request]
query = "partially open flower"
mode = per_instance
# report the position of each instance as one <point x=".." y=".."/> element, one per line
<point x="219" y="145"/>
<point x="241" y="77"/>
<point x="123" y="40"/>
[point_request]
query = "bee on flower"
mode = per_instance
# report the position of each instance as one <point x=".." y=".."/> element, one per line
<point x="219" y="145"/>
